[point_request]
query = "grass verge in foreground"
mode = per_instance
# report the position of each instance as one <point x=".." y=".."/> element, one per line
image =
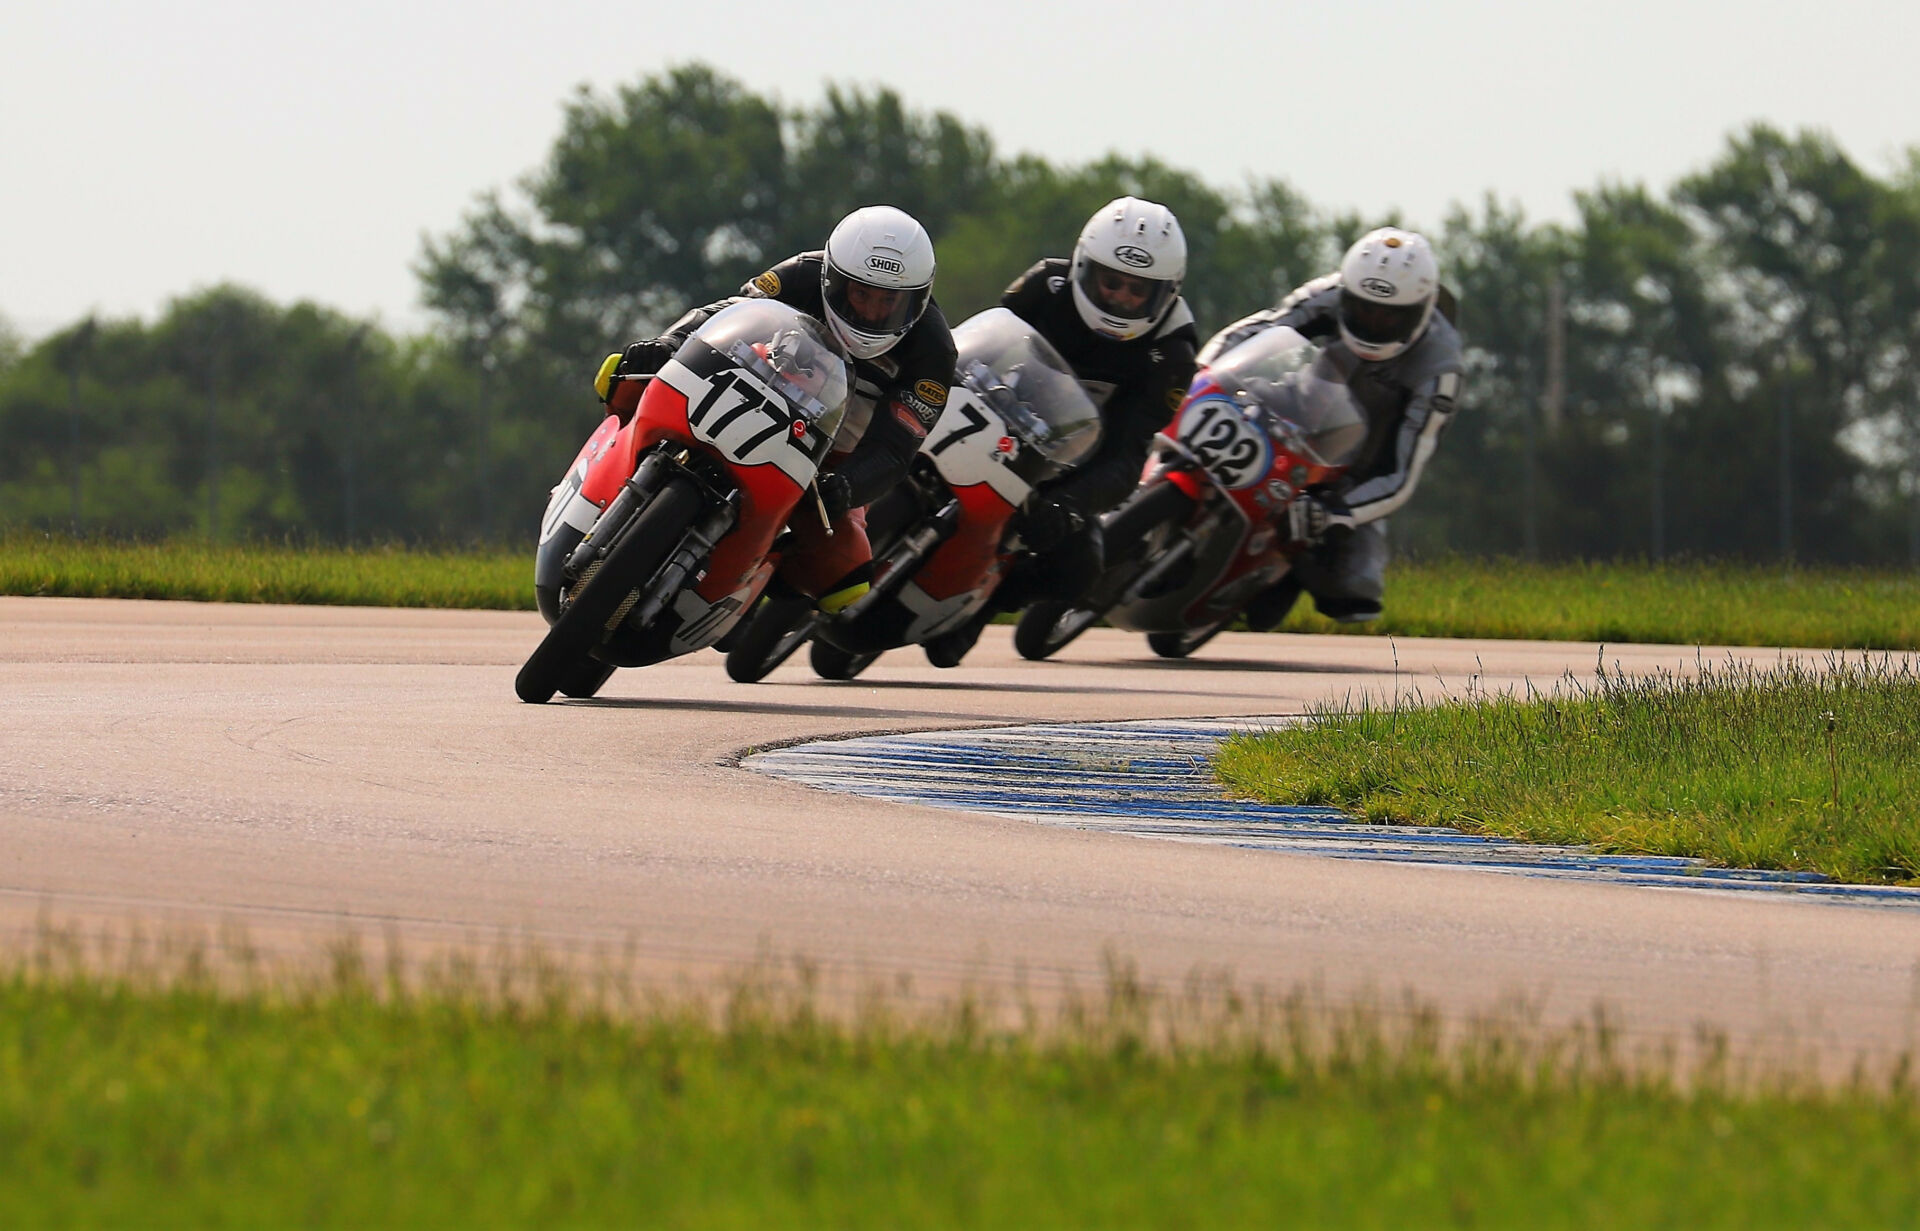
<point x="1680" y="604"/>
<point x="1788" y="767"/>
<point x="134" y="1100"/>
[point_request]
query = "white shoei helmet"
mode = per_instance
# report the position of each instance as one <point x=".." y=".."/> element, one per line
<point x="877" y="278"/>
<point x="1389" y="283"/>
<point x="1127" y="267"/>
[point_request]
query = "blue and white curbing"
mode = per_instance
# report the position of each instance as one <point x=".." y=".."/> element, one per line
<point x="1152" y="779"/>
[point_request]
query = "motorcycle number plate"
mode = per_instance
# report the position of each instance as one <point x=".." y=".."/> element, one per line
<point x="1235" y="452"/>
<point x="745" y="422"/>
<point x="970" y="444"/>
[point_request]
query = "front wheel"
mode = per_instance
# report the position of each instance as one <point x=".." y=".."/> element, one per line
<point x="774" y="630"/>
<point x="598" y="603"/>
<point x="1045" y="628"/>
<point x="830" y="662"/>
<point x="1182" y="643"/>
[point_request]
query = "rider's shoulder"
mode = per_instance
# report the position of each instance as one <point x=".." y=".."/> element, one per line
<point x="788" y="281"/>
<point x="931" y="340"/>
<point x="1440" y="347"/>
<point x="1321" y="293"/>
<point x="1178" y="326"/>
<point x="1027" y="296"/>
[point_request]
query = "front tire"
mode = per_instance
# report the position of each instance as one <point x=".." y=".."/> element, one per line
<point x="1046" y="628"/>
<point x="656" y="531"/>
<point x="830" y="662"/>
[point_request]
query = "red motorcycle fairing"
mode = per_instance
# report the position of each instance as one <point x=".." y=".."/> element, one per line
<point x="768" y="495"/>
<point x="971" y="560"/>
<point x="1237" y="519"/>
<point x="741" y="563"/>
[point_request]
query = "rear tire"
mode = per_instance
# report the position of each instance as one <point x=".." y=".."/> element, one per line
<point x="1046" y="628"/>
<point x="656" y="531"/>
<point x="830" y="662"/>
<point x="1183" y="643"/>
<point x="773" y="631"/>
<point x="585" y="678"/>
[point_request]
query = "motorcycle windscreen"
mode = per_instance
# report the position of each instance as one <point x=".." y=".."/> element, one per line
<point x="1052" y="424"/>
<point x="1301" y="390"/>
<point x="792" y="354"/>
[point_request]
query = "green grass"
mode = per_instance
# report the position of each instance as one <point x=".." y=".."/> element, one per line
<point x="1684" y="604"/>
<point x="263" y="573"/>
<point x="143" y="1101"/>
<point x="1673" y="604"/>
<point x="1792" y="766"/>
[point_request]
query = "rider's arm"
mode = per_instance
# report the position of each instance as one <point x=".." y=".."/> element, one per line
<point x="1429" y="412"/>
<point x="1310" y="309"/>
<point x="649" y="355"/>
<point x="1027" y="296"/>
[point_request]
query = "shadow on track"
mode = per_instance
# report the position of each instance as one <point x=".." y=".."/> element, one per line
<point x="1240" y="664"/>
<point x="776" y="707"/>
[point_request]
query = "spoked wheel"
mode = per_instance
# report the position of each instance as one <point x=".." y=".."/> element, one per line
<point x="585" y="678"/>
<point x="1046" y="628"/>
<point x="830" y="662"/>
<point x="774" y="630"/>
<point x="598" y="604"/>
<point x="1182" y="643"/>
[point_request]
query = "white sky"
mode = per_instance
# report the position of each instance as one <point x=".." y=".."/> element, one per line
<point x="147" y="149"/>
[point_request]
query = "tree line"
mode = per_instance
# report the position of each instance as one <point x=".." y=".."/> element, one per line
<point x="1725" y="369"/>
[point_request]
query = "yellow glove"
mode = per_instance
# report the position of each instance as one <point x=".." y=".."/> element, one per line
<point x="603" y="383"/>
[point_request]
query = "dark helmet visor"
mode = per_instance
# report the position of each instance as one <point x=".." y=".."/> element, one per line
<point x="1125" y="295"/>
<point x="1379" y="324"/>
<point x="873" y="309"/>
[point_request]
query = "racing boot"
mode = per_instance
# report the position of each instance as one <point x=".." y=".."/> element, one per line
<point x="1269" y="607"/>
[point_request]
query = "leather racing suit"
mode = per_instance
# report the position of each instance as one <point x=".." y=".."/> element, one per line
<point x="1409" y="400"/>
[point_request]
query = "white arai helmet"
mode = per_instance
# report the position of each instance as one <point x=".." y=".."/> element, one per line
<point x="877" y="278"/>
<point x="1389" y="283"/>
<point x="1127" y="267"/>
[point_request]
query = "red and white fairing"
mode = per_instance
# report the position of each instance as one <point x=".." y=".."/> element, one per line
<point x="1015" y="417"/>
<point x="1268" y="420"/>
<point x="754" y="397"/>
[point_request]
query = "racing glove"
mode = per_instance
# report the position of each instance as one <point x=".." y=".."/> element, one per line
<point x="836" y="494"/>
<point x="615" y="382"/>
<point x="1050" y="522"/>
<point x="1310" y="517"/>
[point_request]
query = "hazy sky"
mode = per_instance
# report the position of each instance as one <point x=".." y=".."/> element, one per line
<point x="147" y="149"/>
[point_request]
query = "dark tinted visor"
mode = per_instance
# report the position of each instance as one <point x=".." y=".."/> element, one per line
<point x="1125" y="295"/>
<point x="1379" y="323"/>
<point x="873" y="309"/>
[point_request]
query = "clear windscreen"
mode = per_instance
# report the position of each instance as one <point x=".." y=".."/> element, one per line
<point x="1300" y="389"/>
<point x="786" y="350"/>
<point x="1007" y="364"/>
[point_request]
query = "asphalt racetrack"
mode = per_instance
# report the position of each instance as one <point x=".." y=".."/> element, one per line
<point x="310" y="771"/>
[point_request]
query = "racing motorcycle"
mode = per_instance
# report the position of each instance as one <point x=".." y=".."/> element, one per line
<point x="666" y="529"/>
<point x="1212" y="523"/>
<point x="1015" y="417"/>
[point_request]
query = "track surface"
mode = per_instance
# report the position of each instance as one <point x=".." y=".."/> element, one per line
<point x="305" y="771"/>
